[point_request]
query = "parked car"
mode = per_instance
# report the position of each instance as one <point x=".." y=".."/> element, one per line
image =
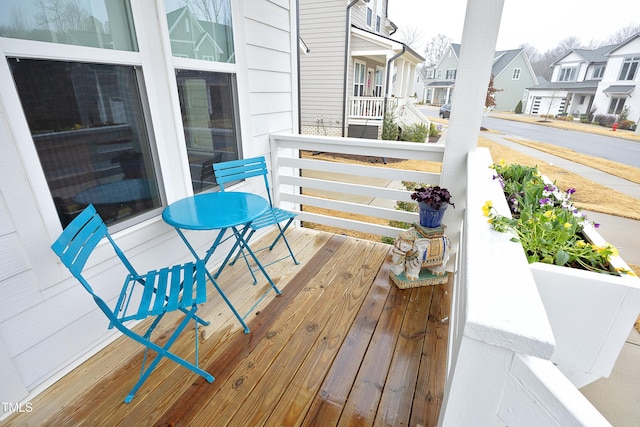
<point x="445" y="111"/>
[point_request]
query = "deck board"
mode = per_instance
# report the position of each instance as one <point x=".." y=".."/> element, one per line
<point x="341" y="346"/>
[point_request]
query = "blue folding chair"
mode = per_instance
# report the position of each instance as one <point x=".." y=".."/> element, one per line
<point x="237" y="170"/>
<point x="153" y="294"/>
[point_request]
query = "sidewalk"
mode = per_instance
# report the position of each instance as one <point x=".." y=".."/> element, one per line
<point x="616" y="397"/>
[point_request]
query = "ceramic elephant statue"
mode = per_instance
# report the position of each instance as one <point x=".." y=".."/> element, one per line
<point x="408" y="254"/>
<point x="412" y="253"/>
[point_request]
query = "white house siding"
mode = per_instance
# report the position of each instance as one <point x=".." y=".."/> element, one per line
<point x="610" y="78"/>
<point x="322" y="27"/>
<point x="512" y="90"/>
<point x="48" y="324"/>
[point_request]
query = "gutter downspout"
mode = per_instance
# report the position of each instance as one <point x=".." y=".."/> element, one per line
<point x="298" y="66"/>
<point x="347" y="31"/>
<point x="386" y="92"/>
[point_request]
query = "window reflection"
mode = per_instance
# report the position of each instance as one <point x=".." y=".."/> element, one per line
<point x="89" y="131"/>
<point x="201" y="29"/>
<point x="208" y="115"/>
<point x="103" y="24"/>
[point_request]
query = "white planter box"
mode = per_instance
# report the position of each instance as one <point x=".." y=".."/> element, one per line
<point x="591" y="315"/>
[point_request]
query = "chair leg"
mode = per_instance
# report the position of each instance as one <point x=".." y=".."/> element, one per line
<point x="164" y="352"/>
<point x="286" y="242"/>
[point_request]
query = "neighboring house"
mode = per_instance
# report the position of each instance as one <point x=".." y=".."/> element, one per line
<point x="348" y="74"/>
<point x="511" y="70"/>
<point x="599" y="81"/>
<point x="169" y="96"/>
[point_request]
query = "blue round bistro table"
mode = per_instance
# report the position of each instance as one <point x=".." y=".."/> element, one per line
<point x="225" y="210"/>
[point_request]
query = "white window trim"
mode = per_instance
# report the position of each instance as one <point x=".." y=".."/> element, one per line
<point x="160" y="105"/>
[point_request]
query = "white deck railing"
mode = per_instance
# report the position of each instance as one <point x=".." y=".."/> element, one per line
<point x="349" y="188"/>
<point x="500" y="343"/>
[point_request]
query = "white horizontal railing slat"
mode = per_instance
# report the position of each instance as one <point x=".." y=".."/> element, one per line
<point x="341" y="187"/>
<point x="356" y="208"/>
<point x="353" y="169"/>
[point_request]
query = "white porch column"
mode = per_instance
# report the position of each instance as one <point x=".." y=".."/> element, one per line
<point x="399" y="86"/>
<point x="411" y="81"/>
<point x="479" y="36"/>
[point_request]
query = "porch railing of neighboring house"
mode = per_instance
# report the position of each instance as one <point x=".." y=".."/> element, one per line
<point x="367" y="108"/>
<point x="500" y="340"/>
<point x="371" y="108"/>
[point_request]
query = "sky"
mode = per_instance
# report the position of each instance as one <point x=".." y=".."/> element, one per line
<point x="541" y="23"/>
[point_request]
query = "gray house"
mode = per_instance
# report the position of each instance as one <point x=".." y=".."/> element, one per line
<point x="347" y="76"/>
<point x="511" y="70"/>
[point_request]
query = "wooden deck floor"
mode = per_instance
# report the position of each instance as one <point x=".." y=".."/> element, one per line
<point x="341" y="346"/>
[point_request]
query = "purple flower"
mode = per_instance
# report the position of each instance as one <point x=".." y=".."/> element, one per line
<point x="596" y="225"/>
<point x="545" y="201"/>
<point x="571" y="190"/>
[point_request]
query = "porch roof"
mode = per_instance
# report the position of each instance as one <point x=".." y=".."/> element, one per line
<point x="386" y="43"/>
<point x="619" y="89"/>
<point x="587" y="86"/>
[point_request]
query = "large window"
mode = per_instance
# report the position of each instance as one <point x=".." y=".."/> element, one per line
<point x="89" y="116"/>
<point x="207" y="102"/>
<point x="598" y="72"/>
<point x="451" y="75"/>
<point x="616" y="105"/>
<point x="359" y="78"/>
<point x="201" y="30"/>
<point x="629" y="68"/>
<point x="568" y="74"/>
<point x="89" y="130"/>
<point x="92" y="23"/>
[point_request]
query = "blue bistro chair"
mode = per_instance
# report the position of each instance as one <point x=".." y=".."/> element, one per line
<point x="153" y="294"/>
<point x="237" y="170"/>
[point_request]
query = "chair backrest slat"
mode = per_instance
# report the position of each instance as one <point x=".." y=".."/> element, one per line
<point x="237" y="170"/>
<point x="79" y="239"/>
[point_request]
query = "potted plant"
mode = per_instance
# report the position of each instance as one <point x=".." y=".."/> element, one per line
<point x="432" y="203"/>
<point x="591" y="296"/>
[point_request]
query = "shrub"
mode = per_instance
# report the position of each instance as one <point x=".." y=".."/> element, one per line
<point x="584" y="118"/>
<point x="626" y="124"/>
<point x="567" y="118"/>
<point x="389" y="127"/>
<point x="418" y="132"/>
<point x="605" y="120"/>
<point x="433" y="130"/>
<point x="624" y="114"/>
<point x="518" y="109"/>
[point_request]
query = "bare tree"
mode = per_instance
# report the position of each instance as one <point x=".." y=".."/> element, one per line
<point x="435" y="49"/>
<point x="411" y="36"/>
<point x="217" y="11"/>
<point x="532" y="52"/>
<point x="622" y="35"/>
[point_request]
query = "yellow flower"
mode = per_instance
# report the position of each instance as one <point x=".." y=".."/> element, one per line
<point x="487" y="208"/>
<point x="550" y="215"/>
<point x="622" y="270"/>
<point x="567" y="225"/>
<point x="501" y="162"/>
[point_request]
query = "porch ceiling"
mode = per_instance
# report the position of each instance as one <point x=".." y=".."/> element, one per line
<point x="384" y="46"/>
